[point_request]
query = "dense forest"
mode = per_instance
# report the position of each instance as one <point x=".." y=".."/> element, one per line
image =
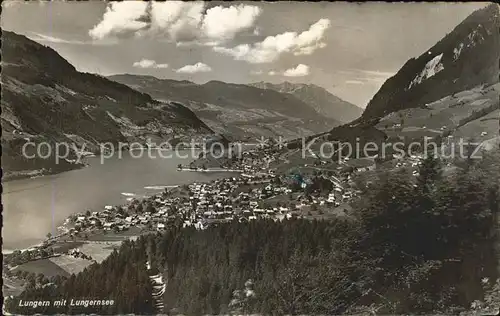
<point x="416" y="245"/>
<point x="122" y="277"/>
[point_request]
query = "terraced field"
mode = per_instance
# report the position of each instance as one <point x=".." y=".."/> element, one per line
<point x="44" y="266"/>
<point x="71" y="264"/>
<point x="467" y="114"/>
<point x="487" y="124"/>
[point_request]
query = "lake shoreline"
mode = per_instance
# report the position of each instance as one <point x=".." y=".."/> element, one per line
<point x="9" y="176"/>
<point x="13" y="175"/>
<point x="210" y="170"/>
<point x="44" y="202"/>
<point x="64" y="230"/>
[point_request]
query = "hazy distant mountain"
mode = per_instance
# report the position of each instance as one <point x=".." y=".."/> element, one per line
<point x="319" y="98"/>
<point x="44" y="98"/>
<point x="236" y="110"/>
<point x="465" y="58"/>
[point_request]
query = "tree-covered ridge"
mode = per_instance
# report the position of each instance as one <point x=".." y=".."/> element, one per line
<point x="418" y="246"/>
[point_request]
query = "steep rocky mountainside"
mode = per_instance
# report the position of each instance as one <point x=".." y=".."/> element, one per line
<point x="450" y="92"/>
<point x="236" y="110"/>
<point x="465" y="58"/>
<point x="45" y="99"/>
<point x="317" y="97"/>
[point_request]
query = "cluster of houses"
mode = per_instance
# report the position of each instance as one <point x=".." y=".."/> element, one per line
<point x="412" y="161"/>
<point x="219" y="202"/>
<point x="198" y="205"/>
<point x="335" y="198"/>
<point x="202" y="204"/>
<point x="253" y="162"/>
<point x="338" y="196"/>
<point x="76" y="253"/>
<point x="108" y="219"/>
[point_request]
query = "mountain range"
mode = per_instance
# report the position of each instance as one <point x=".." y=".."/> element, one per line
<point x="244" y="111"/>
<point x="317" y="97"/>
<point x="452" y="89"/>
<point x="46" y="100"/>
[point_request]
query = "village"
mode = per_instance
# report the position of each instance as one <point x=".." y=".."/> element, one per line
<point x="260" y="191"/>
<point x="268" y="186"/>
<point x="244" y="198"/>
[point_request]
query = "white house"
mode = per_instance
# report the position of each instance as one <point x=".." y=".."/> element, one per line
<point x="279" y="217"/>
<point x="199" y="225"/>
<point x="160" y="227"/>
<point x="108" y="225"/>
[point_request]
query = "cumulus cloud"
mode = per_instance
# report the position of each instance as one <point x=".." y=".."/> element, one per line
<point x="221" y="23"/>
<point x="299" y="71"/>
<point x="191" y="69"/>
<point x="177" y="20"/>
<point x="272" y="47"/>
<point x="240" y="52"/>
<point x="120" y="18"/>
<point x="148" y="63"/>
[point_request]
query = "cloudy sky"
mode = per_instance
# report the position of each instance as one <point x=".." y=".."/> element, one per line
<point x="349" y="49"/>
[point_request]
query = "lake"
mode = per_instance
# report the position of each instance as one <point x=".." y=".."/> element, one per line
<point x="34" y="207"/>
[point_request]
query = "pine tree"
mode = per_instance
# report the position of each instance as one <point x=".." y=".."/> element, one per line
<point x="429" y="171"/>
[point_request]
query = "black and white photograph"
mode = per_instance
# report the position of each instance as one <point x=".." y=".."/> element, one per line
<point x="250" y="158"/>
